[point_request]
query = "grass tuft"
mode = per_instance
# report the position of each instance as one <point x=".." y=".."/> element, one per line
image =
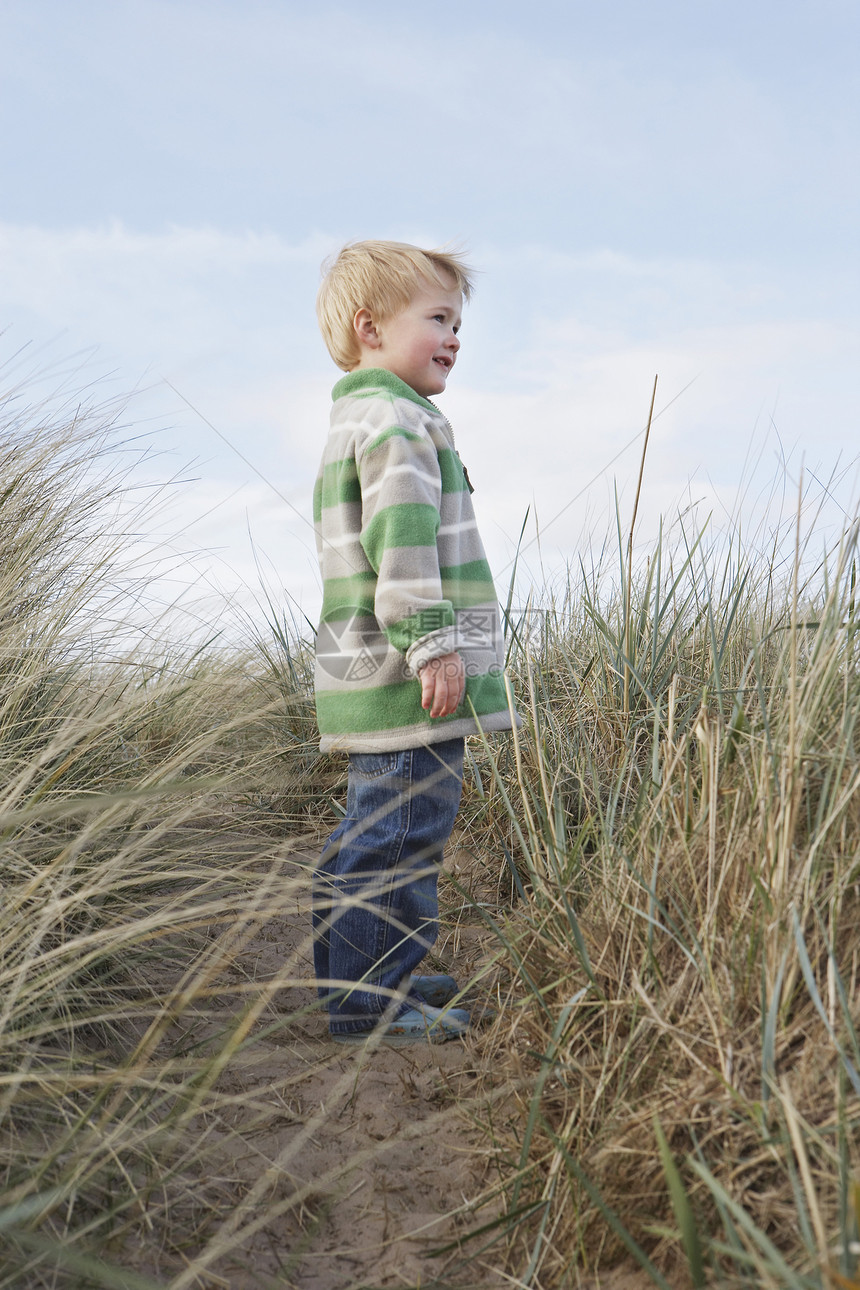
<point x="684" y="819"/>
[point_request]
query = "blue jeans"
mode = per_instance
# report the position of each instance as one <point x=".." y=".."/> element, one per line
<point x="375" y="907"/>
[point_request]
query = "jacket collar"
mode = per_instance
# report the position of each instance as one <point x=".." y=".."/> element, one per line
<point x="365" y="379"/>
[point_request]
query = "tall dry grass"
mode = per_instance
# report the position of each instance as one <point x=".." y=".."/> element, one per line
<point x="125" y="891"/>
<point x="682" y="816"/>
<point x="673" y="1077"/>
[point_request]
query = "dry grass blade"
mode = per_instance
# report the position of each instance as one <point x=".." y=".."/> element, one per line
<point x="667" y="858"/>
<point x="691" y="791"/>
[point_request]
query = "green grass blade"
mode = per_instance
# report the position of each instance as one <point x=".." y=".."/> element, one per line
<point x="683" y="1210"/>
<point x="783" y="1275"/>
<point x="630" y="1243"/>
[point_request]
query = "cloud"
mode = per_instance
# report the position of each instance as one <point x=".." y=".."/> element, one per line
<point x="739" y="406"/>
<point x="553" y="383"/>
<point x="166" y="294"/>
<point x="620" y="127"/>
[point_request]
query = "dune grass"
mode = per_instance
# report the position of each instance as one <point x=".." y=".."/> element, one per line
<point x="124" y="894"/>
<point x="672" y="847"/>
<point x="683" y="816"/>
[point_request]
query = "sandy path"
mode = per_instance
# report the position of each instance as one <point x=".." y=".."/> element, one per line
<point x="320" y="1166"/>
<point x="332" y="1167"/>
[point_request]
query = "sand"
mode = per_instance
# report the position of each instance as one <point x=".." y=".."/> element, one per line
<point x="322" y="1166"/>
<point x="331" y="1166"/>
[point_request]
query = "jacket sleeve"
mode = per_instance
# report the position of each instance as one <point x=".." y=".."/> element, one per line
<point x="401" y="489"/>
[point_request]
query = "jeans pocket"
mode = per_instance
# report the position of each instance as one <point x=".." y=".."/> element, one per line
<point x="372" y="765"/>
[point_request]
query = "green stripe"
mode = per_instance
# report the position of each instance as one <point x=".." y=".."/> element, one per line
<point x="408" y="630"/>
<point x="338" y="483"/>
<point x="393" y="432"/>
<point x="374" y="392"/>
<point x="343" y="597"/>
<point x="376" y="382"/>
<point x="451" y="467"/>
<point x="468" y="584"/>
<point x="408" y="524"/>
<point x="340" y="712"/>
<point x="487" y="693"/>
<point x="463" y="586"/>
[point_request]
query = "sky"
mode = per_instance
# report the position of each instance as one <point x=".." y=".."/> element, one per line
<point x="664" y="190"/>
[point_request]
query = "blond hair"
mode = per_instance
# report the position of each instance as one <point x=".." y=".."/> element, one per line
<point x="382" y="277"/>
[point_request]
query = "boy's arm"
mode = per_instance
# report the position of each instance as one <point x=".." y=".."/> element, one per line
<point x="401" y="490"/>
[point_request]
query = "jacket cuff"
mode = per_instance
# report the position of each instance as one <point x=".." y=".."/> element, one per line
<point x="433" y="645"/>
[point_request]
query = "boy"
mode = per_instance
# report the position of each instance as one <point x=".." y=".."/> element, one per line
<point x="409" y="649"/>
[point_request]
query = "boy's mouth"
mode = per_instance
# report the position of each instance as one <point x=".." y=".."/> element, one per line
<point x="447" y="363"/>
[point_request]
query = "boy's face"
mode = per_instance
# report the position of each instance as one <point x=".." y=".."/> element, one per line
<point x="420" y="343"/>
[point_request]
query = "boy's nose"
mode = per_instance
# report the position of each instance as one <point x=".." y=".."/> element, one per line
<point x="453" y="342"/>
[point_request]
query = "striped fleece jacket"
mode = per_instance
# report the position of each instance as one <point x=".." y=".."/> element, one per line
<point x="405" y="578"/>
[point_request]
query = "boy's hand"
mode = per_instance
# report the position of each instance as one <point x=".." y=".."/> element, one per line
<point x="443" y="684"/>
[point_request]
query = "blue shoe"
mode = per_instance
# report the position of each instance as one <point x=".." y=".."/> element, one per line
<point x="435" y="990"/>
<point x="414" y="1026"/>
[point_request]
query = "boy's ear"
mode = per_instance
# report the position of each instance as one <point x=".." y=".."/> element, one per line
<point x="365" y="329"/>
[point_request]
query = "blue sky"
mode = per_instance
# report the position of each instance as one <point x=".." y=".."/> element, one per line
<point x="668" y="188"/>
